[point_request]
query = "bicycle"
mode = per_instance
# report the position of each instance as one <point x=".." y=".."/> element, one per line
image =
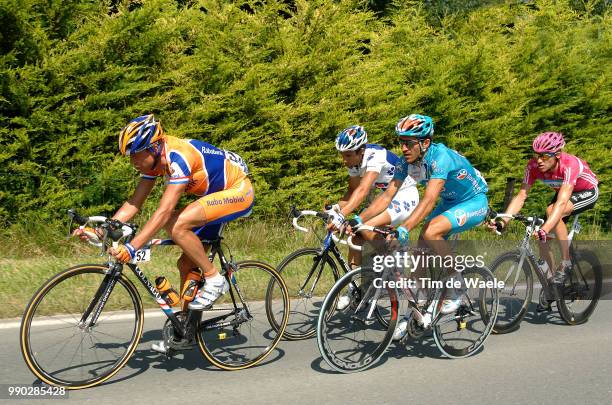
<point x="306" y="273"/>
<point x="582" y="286"/>
<point x="101" y="321"/>
<point x="354" y="339"/>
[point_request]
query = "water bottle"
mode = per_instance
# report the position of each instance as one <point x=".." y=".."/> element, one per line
<point x="190" y="287"/>
<point x="168" y="293"/>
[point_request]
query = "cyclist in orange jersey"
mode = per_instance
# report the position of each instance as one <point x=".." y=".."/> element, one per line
<point x="217" y="177"/>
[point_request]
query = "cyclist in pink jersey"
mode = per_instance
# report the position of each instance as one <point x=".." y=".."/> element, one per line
<point x="576" y="191"/>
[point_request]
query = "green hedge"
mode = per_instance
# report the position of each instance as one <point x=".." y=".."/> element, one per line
<point x="275" y="81"/>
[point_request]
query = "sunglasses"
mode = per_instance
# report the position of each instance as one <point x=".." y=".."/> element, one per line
<point x="544" y="156"/>
<point x="408" y="143"/>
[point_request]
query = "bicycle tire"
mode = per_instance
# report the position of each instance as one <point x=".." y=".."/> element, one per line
<point x="464" y="332"/>
<point x="305" y="306"/>
<point x="574" y="289"/>
<point x="226" y="352"/>
<point x="348" y="323"/>
<point x="33" y="356"/>
<point x="512" y="308"/>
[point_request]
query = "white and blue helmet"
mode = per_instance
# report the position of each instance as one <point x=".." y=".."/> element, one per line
<point x="351" y="138"/>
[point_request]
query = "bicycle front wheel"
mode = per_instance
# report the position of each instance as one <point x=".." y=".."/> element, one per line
<point x="308" y="276"/>
<point x="238" y="333"/>
<point x="581" y="289"/>
<point x="464" y="331"/>
<point x="353" y="338"/>
<point x="516" y="294"/>
<point x="60" y="347"/>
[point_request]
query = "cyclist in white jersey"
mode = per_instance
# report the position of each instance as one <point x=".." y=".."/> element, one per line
<point x="370" y="166"/>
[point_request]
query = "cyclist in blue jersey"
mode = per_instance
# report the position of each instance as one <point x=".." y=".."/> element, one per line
<point x="447" y="175"/>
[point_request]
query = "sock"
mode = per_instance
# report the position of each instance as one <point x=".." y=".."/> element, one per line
<point x="566" y="263"/>
<point x="216" y="279"/>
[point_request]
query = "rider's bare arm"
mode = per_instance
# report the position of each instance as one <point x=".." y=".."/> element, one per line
<point x="565" y="192"/>
<point x="352" y="186"/>
<point x="360" y="193"/>
<point x="426" y="205"/>
<point x="518" y="201"/>
<point x="162" y="214"/>
<point x="131" y="207"/>
<point x="382" y="201"/>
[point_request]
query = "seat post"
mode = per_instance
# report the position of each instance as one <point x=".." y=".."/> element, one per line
<point x="575" y="228"/>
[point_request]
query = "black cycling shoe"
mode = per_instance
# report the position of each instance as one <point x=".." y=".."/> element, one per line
<point x="544" y="307"/>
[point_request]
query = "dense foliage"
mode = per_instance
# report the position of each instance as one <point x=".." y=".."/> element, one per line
<point x="276" y="80"/>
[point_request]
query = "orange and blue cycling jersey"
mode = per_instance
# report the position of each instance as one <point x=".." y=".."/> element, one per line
<point x="218" y="176"/>
<point x="203" y="167"/>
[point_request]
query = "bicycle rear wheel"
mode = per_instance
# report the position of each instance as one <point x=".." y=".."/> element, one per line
<point x="308" y="277"/>
<point x="581" y="289"/>
<point x="238" y="333"/>
<point x="463" y="332"/>
<point x="353" y="339"/>
<point x="60" y="349"/>
<point x="516" y="295"/>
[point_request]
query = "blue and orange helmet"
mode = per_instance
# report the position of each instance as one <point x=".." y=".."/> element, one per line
<point x="351" y="138"/>
<point x="139" y="134"/>
<point x="417" y="125"/>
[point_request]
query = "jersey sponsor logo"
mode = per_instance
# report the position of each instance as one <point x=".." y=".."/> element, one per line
<point x="208" y="151"/>
<point x="463" y="174"/>
<point x="461" y="217"/>
<point x="553" y="183"/>
<point x="370" y="157"/>
<point x="226" y="200"/>
<point x="391" y="171"/>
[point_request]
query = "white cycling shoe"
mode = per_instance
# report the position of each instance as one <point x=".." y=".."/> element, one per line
<point x="450" y="305"/>
<point x="400" y="330"/>
<point x="343" y="302"/>
<point x="213" y="289"/>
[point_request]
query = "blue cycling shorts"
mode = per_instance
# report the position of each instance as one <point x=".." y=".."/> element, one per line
<point x="464" y="215"/>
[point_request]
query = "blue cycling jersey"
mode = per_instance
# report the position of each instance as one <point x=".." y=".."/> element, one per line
<point x="463" y="181"/>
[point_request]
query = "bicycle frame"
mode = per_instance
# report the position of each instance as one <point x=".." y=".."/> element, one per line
<point x="182" y="328"/>
<point x="328" y="246"/>
<point x="527" y="252"/>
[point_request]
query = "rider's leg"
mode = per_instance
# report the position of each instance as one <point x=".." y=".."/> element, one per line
<point x="182" y="234"/>
<point x="561" y="231"/>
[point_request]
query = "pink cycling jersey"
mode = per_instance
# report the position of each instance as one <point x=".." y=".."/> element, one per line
<point x="569" y="170"/>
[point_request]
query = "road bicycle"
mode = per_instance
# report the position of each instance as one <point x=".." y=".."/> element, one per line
<point x="309" y="274"/>
<point x="100" y="319"/>
<point x="354" y="338"/>
<point x="576" y="298"/>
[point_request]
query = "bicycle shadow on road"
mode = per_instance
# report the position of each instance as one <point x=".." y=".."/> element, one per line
<point x="423" y="347"/>
<point x="144" y="358"/>
<point x="542" y="318"/>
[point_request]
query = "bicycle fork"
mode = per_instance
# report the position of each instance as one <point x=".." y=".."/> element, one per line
<point x="99" y="299"/>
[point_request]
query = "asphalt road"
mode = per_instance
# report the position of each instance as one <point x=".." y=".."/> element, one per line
<point x="544" y="362"/>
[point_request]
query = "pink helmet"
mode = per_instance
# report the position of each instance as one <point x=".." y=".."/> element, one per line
<point x="551" y="142"/>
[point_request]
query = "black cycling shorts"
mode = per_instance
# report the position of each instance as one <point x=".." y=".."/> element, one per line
<point x="582" y="200"/>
